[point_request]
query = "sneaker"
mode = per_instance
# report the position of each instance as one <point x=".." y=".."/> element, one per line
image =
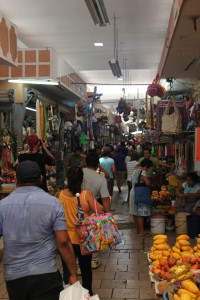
<point x="96" y="263"/>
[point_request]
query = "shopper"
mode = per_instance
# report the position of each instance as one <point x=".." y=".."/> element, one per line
<point x="123" y="148"/>
<point x="120" y="166"/>
<point x="130" y="168"/>
<point x="191" y="193"/>
<point x="140" y="210"/>
<point x="156" y="163"/>
<point x="45" y="158"/>
<point x="70" y="203"/>
<point x="97" y="184"/>
<point x="33" y="225"/>
<point x="75" y="160"/>
<point x="108" y="164"/>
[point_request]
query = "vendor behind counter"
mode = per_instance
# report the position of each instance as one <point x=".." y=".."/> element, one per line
<point x="189" y="194"/>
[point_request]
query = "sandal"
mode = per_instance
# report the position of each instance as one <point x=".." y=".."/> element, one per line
<point x="146" y="234"/>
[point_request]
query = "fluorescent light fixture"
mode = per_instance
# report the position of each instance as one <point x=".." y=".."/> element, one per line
<point x="115" y="68"/>
<point x="98" y="44"/>
<point x="136" y="132"/>
<point x="98" y="12"/>
<point x="29" y="108"/>
<point x="30" y="81"/>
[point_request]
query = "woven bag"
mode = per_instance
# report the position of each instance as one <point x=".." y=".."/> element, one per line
<point x="172" y="124"/>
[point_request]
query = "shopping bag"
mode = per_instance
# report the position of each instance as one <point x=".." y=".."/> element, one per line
<point x="172" y="123"/>
<point x="97" y="232"/>
<point x="74" y="292"/>
<point x="142" y="195"/>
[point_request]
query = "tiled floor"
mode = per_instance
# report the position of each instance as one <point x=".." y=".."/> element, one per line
<point x="124" y="270"/>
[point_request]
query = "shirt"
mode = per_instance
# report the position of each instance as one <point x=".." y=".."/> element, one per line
<point x="119" y="160"/>
<point x="127" y="159"/>
<point x="156" y="162"/>
<point x="124" y="150"/>
<point x="28" y="219"/>
<point x="42" y="159"/>
<point x="70" y="205"/>
<point x="106" y="163"/>
<point x="95" y="183"/>
<point x="130" y="168"/>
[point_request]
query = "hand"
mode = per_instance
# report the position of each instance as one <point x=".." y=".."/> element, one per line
<point x="44" y="143"/>
<point x="73" y="279"/>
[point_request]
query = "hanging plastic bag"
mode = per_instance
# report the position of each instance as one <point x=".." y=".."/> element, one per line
<point x="76" y="292"/>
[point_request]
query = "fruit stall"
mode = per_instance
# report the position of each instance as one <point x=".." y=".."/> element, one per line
<point x="175" y="271"/>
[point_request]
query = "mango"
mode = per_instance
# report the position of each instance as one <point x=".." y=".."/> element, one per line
<point x="176" y="255"/>
<point x="190" y="286"/>
<point x="160" y="241"/>
<point x="160" y="236"/>
<point x="166" y="253"/>
<point x="162" y="247"/>
<point x="183" y="237"/>
<point x="186" y="248"/>
<point x="176" y="250"/>
<point x="183" y="291"/>
<point x="178" y="245"/>
<point x="184" y="243"/>
<point x="176" y="297"/>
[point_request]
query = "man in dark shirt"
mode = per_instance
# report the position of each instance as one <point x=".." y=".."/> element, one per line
<point x="45" y="158"/>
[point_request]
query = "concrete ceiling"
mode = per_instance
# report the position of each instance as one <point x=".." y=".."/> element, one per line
<point x="67" y="26"/>
<point x="185" y="46"/>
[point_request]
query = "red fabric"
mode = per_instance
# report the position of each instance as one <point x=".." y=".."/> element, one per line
<point x="32" y="141"/>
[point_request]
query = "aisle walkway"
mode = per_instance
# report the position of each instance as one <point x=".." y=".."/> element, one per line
<point x="124" y="270"/>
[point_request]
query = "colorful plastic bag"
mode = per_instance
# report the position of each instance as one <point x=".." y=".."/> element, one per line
<point x="97" y="233"/>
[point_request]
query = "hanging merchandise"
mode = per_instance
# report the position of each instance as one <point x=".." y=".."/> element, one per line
<point x="172" y="123"/>
<point x="125" y="108"/>
<point x="152" y="112"/>
<point x="156" y="89"/>
<point x="111" y="119"/>
<point x="81" y="109"/>
<point x="38" y="118"/>
<point x="147" y="112"/>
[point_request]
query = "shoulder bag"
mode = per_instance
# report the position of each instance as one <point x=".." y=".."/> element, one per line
<point x="142" y="192"/>
<point x="96" y="233"/>
<point x="172" y="123"/>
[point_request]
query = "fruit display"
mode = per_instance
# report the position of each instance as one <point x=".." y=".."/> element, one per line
<point x="189" y="291"/>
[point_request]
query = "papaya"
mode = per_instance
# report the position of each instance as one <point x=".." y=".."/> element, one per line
<point x="183" y="237"/>
<point x="190" y="286"/>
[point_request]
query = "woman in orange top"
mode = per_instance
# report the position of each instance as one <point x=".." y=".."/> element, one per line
<point x="70" y="203"/>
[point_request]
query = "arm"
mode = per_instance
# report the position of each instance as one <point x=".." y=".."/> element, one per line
<point x="146" y="180"/>
<point x="104" y="171"/>
<point x="44" y="146"/>
<point x="66" y="250"/>
<point x="164" y="164"/>
<point x="90" y="200"/>
<point x="113" y="168"/>
<point x="106" y="204"/>
<point x="194" y="195"/>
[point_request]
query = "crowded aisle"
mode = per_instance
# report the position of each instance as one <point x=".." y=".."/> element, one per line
<point x="99" y="150"/>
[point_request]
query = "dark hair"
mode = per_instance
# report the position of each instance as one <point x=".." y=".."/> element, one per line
<point x="75" y="179"/>
<point x="193" y="176"/>
<point x="134" y="155"/>
<point x="147" y="149"/>
<point x="28" y="173"/>
<point x="122" y="143"/>
<point x="146" y="163"/>
<point x="105" y="151"/>
<point x="78" y="149"/>
<point x="92" y="160"/>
